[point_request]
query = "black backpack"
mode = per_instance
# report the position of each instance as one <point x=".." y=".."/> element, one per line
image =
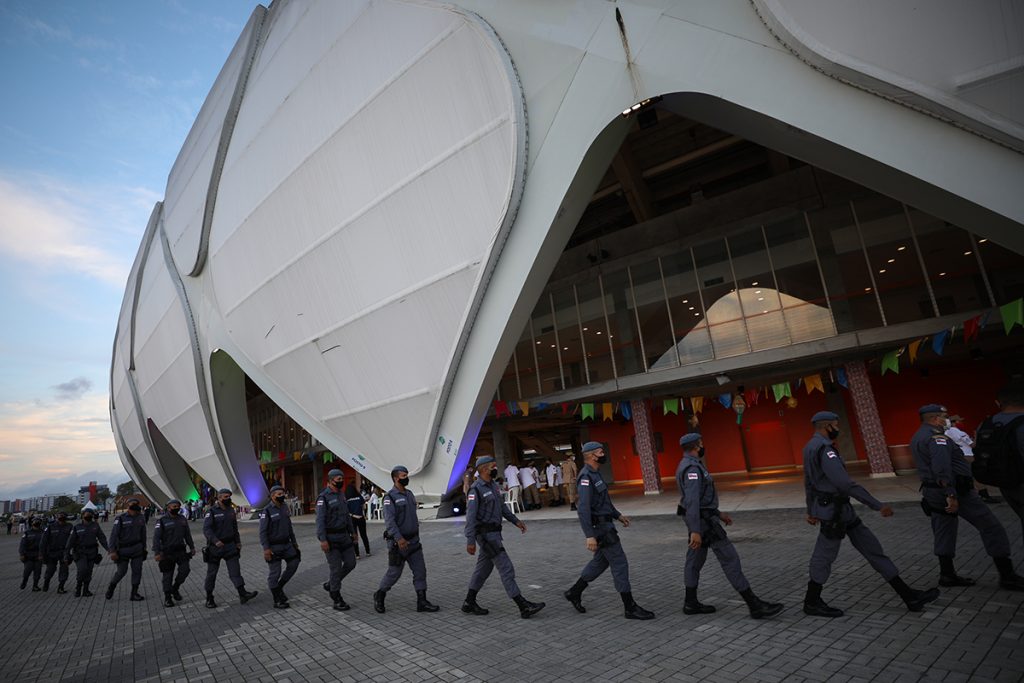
<point x="997" y="460"/>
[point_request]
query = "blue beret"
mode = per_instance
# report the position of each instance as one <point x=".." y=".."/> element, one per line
<point x="276" y="487"/>
<point x="592" y="446"/>
<point x="824" y="416"/>
<point x="227" y="491"/>
<point x="172" y="501"/>
<point x="400" y="468"/>
<point x="692" y="437"/>
<point x="335" y="473"/>
<point x="484" y="460"/>
<point x="931" y="408"/>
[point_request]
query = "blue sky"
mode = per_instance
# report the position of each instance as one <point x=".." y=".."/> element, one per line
<point x="97" y="100"/>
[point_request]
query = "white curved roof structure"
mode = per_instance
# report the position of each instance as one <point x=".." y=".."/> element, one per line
<point x="355" y="224"/>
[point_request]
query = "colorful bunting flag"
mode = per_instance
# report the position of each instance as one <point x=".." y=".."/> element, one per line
<point x="328" y="457"/>
<point x="512" y="407"/>
<point x="606" y="411"/>
<point x="971" y="328"/>
<point x="1013" y="314"/>
<point x="725" y="399"/>
<point x="939" y="341"/>
<point x="500" y="408"/>
<point x="813" y="382"/>
<point x="670" y="405"/>
<point x="891" y="361"/>
<point x="565" y="409"/>
<point x="698" y="404"/>
<point x="525" y="407"/>
<point x="588" y="410"/>
<point x="751" y="396"/>
<point x="626" y="410"/>
<point x="912" y="349"/>
<point x="781" y="390"/>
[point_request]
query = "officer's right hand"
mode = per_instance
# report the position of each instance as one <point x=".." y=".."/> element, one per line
<point x="695" y="540"/>
<point x="471" y="548"/>
<point x="268" y="555"/>
<point x="158" y="557"/>
<point x="219" y="544"/>
<point x="403" y="544"/>
<point x="952" y="504"/>
<point x="812" y="520"/>
<point x="325" y="546"/>
<point x="886" y="511"/>
<point x="113" y="557"/>
<point x="592" y="545"/>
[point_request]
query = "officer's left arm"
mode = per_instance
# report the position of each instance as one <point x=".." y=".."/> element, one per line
<point x="157" y="533"/>
<point x="188" y="538"/>
<point x="941" y="453"/>
<point x="211" y="538"/>
<point x="102" y="537"/>
<point x="833" y="469"/>
<point x="115" y="536"/>
<point x="691" y="494"/>
<point x="24" y="544"/>
<point x="583" y="492"/>
<point x="44" y="541"/>
<point x="264" y="535"/>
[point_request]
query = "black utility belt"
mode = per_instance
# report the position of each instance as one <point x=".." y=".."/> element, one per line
<point x="339" y="530"/>
<point x="488" y="528"/>
<point x="931" y="485"/>
<point x="830" y="498"/>
<point x="601" y="519"/>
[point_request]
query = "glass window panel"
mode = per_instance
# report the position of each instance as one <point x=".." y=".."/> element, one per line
<point x="951" y="264"/>
<point x="761" y="306"/>
<point x="1005" y="270"/>
<point x="724" y="317"/>
<point x="544" y="340"/>
<point x="569" y="338"/>
<point x="799" y="282"/>
<point x="852" y="294"/>
<point x="595" y="333"/>
<point x="622" y="323"/>
<point x="890" y="248"/>
<point x="508" y="388"/>
<point x="653" y="312"/>
<point x="692" y="337"/>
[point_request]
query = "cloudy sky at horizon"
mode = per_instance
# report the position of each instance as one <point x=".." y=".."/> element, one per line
<point x="99" y="97"/>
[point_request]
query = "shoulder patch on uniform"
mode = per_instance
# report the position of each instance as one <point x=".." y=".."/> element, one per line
<point x="263" y="514"/>
<point x="209" y="514"/>
<point x="940" y="439"/>
<point x="471" y="496"/>
<point x="387" y="501"/>
<point x="584" y="481"/>
<point x="832" y="454"/>
<point x="692" y="475"/>
<point x="319" y="501"/>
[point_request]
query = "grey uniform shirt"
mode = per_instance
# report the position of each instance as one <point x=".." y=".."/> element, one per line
<point x="276" y="526"/>
<point x="825" y="472"/>
<point x="939" y="460"/>
<point x="332" y="519"/>
<point x="55" y="539"/>
<point x="592" y="492"/>
<point x="697" y="489"/>
<point x="86" y="537"/>
<point x="128" y="531"/>
<point x="221" y="525"/>
<point x="400" y="518"/>
<point x="171" y="534"/>
<point x="485" y="505"/>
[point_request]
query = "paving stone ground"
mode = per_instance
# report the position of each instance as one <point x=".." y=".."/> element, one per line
<point x="968" y="634"/>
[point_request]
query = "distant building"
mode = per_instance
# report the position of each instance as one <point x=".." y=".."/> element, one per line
<point x="91" y="492"/>
<point x="6" y="507"/>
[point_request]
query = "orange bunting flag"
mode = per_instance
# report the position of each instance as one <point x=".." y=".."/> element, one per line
<point x="606" y="411"/>
<point x="525" y="407"/>
<point x="912" y="349"/>
<point x="812" y="382"/>
<point x="698" y="404"/>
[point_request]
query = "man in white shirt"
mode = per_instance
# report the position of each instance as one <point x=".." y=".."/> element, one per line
<point x="528" y="480"/>
<point x="554" y="486"/>
<point x="512" y="481"/>
<point x="966" y="444"/>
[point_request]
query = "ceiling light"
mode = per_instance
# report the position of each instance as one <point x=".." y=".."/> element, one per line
<point x="892" y="260"/>
<point x="867" y="289"/>
<point x="967" y="253"/>
<point x="900" y="248"/>
<point x="941" y="274"/>
<point x="599" y="331"/>
<point x="538" y="343"/>
<point x="585" y="329"/>
<point x="983" y="240"/>
<point x="753" y="284"/>
<point x="552" y="346"/>
<point x="764" y="311"/>
<point x="881" y="271"/>
<point x="691" y="308"/>
<point x="760" y="298"/>
<point x="757" y="292"/>
<point x="697" y="315"/>
<point x="686" y="301"/>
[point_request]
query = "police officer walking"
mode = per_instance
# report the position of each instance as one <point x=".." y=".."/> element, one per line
<point x="337" y="535"/>
<point x="829" y="488"/>
<point x="597" y="517"/>
<point x="54" y="541"/>
<point x="704" y="521"/>
<point x="128" y="546"/>
<point x="485" y="506"/>
<point x="220" y="527"/>
<point x="278" y="540"/>
<point x="173" y="547"/>
<point x="402" y="530"/>
<point x="83" y="548"/>
<point x="948" y="493"/>
<point x="31" y="554"/>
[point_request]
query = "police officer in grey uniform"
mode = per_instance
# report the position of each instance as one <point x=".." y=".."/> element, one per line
<point x="402" y="531"/>
<point x="597" y="517"/>
<point x="220" y="527"/>
<point x="337" y="535"/>
<point x="83" y="549"/>
<point x="278" y="540"/>
<point x="704" y="521"/>
<point x="485" y="506"/>
<point x="128" y="547"/>
<point x="31" y="555"/>
<point x="54" y="541"/>
<point x="948" y="494"/>
<point x="829" y="488"/>
<point x="173" y="547"/>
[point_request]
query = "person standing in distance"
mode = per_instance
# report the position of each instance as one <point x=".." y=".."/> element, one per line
<point x="597" y="517"/>
<point x="31" y="554"/>
<point x="83" y="548"/>
<point x="402" y="530"/>
<point x="171" y="535"/>
<point x="948" y="494"/>
<point x="569" y="475"/>
<point x="704" y="521"/>
<point x="485" y="506"/>
<point x="54" y="541"/>
<point x="829" y="488"/>
<point x="278" y="540"/>
<point x="220" y="527"/>
<point x="337" y="535"/>
<point x="128" y="547"/>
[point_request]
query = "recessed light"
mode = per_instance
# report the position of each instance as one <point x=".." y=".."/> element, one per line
<point x="900" y="248"/>
<point x="565" y="348"/>
<point x="892" y="260"/>
<point x="753" y="284"/>
<point x="757" y="292"/>
<point x="686" y="301"/>
<point x="941" y="274"/>
<point x="691" y="308"/>
<point x="760" y="298"/>
<point x="538" y="343"/>
<point x="599" y="331"/>
<point x="983" y="240"/>
<point x="967" y="253"/>
<point x="697" y="314"/>
<point x="764" y="311"/>
<point x="867" y="289"/>
<point x="882" y="270"/>
<point x="552" y="346"/>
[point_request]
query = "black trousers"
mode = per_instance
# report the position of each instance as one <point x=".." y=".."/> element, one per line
<point x="360" y="523"/>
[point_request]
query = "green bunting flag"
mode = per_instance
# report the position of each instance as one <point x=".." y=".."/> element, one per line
<point x="670" y="405"/>
<point x="588" y="410"/>
<point x="328" y="457"/>
<point x="891" y="361"/>
<point x="781" y="390"/>
<point x="1013" y="314"/>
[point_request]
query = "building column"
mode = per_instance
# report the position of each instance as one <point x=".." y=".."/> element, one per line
<point x="870" y="423"/>
<point x="502" y="447"/>
<point x="643" y="430"/>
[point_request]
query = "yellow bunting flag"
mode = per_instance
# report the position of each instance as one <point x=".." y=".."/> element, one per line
<point x="606" y="411"/>
<point x="912" y="348"/>
<point x="812" y="382"/>
<point x="525" y="407"/>
<point x="698" y="404"/>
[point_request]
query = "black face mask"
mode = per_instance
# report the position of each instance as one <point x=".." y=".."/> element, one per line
<point x="226" y="502"/>
<point x="700" y="452"/>
<point x="832" y="433"/>
<point x="87" y="518"/>
<point x="134" y="508"/>
<point x="173" y="511"/>
<point x="494" y="472"/>
<point x="404" y="481"/>
<point x="337" y="484"/>
<point x="62" y="519"/>
<point x="278" y="499"/>
<point x="602" y="459"/>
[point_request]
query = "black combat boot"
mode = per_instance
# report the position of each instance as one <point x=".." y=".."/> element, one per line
<point x="1008" y="578"/>
<point x="575" y="595"/>
<point x="815" y="606"/>
<point x="210" y="602"/>
<point x="110" y="591"/>
<point x="469" y="605"/>
<point x="86" y="593"/>
<point x="60" y="588"/>
<point x="378" y="601"/>
<point x="339" y="602"/>
<point x="35" y="587"/>
<point x="175" y="594"/>
<point x="948" y="578"/>
<point x="279" y="600"/>
<point x="327" y="586"/>
<point x="168" y="600"/>
<point x="24" y="582"/>
<point x="572" y="507"/>
<point x="691" y="605"/>
<point x="280" y="587"/>
<point x="245" y="596"/>
<point x="759" y="609"/>
<point x="633" y="610"/>
<point x="424" y="605"/>
<point x="526" y="608"/>
<point x="914" y="599"/>
<point x="46" y="585"/>
<point x="78" y="589"/>
<point x="135" y="597"/>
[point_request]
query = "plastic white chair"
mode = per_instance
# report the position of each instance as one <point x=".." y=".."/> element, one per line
<point x="512" y="500"/>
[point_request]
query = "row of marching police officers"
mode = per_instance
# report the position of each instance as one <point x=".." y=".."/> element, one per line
<point x="945" y="478"/>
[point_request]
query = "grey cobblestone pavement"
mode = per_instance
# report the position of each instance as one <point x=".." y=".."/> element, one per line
<point x="968" y="634"/>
